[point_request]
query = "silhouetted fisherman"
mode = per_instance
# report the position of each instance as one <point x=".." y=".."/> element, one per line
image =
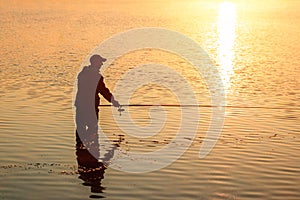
<point x="90" y="84"/>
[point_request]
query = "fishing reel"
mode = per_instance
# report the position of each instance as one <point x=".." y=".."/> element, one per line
<point x="120" y="110"/>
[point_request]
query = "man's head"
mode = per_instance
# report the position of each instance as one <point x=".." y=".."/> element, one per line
<point x="97" y="61"/>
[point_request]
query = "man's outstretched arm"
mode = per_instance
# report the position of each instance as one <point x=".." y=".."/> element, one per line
<point x="104" y="91"/>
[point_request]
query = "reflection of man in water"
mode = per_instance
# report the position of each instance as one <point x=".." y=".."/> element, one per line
<point x="91" y="171"/>
<point x="90" y="84"/>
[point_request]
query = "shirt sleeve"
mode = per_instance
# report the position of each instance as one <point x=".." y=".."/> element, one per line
<point x="103" y="90"/>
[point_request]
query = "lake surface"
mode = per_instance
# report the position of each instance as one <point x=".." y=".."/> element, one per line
<point x="254" y="45"/>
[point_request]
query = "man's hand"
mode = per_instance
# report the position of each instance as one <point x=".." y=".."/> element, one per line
<point x="115" y="103"/>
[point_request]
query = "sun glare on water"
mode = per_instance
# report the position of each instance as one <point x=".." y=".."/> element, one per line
<point x="226" y="32"/>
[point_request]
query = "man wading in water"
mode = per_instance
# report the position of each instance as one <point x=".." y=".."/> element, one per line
<point x="90" y="84"/>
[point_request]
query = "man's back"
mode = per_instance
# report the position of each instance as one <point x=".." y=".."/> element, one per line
<point x="87" y="84"/>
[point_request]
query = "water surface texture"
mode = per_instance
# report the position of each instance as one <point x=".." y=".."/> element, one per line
<point x="255" y="46"/>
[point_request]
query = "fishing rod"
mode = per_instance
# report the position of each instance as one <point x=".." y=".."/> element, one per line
<point x="120" y="109"/>
<point x="196" y="105"/>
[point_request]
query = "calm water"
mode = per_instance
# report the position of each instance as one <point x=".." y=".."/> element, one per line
<point x="256" y="48"/>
